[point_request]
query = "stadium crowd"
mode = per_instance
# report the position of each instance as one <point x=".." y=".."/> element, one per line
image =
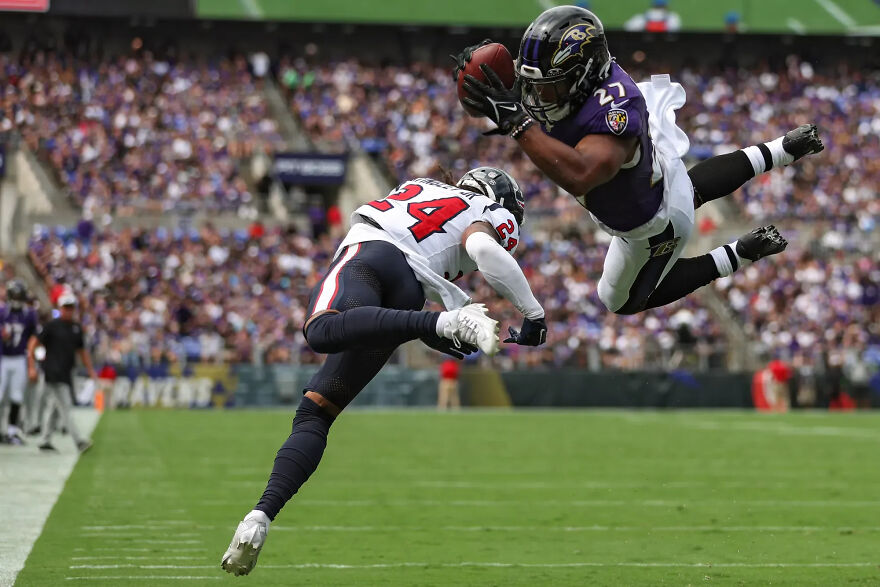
<point x="138" y="132"/>
<point x="211" y="295"/>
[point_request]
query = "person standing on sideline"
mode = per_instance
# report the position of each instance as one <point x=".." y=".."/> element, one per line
<point x="447" y="390"/>
<point x="19" y="325"/>
<point x="63" y="340"/>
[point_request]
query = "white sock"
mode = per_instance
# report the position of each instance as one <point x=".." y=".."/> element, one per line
<point x="780" y="157"/>
<point x="726" y="259"/>
<point x="444" y="319"/>
<point x="766" y="156"/>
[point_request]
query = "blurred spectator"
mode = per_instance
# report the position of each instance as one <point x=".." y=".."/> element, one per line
<point x="657" y="19"/>
<point x="136" y="132"/>
<point x="447" y="390"/>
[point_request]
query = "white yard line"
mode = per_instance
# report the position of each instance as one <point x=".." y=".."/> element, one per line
<point x="568" y="565"/>
<point x="647" y="484"/>
<point x="837" y="13"/>
<point x="530" y="529"/>
<point x="374" y="503"/>
<point x="31" y="484"/>
<point x="252" y="8"/>
<point x="133" y="549"/>
<point x="596" y="528"/>
<point x="116" y="557"/>
<point x="144" y="578"/>
<point x="796" y="25"/>
<point x="783" y="429"/>
<point x="134" y="566"/>
<point x="464" y="564"/>
<point x="586" y="503"/>
<point x="159" y="525"/>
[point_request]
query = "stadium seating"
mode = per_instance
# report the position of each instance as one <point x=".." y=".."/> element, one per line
<point x="134" y="133"/>
<point x="145" y="111"/>
<point x="209" y="295"/>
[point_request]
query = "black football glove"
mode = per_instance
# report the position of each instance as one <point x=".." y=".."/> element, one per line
<point x="446" y="346"/>
<point x="495" y="101"/>
<point x="532" y="333"/>
<point x="462" y="59"/>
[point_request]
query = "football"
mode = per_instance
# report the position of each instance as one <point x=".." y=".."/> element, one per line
<point x="496" y="56"/>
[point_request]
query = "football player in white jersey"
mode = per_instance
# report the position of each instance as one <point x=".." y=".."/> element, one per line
<point x="400" y="250"/>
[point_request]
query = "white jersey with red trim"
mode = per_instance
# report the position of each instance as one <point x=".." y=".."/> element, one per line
<point x="429" y="217"/>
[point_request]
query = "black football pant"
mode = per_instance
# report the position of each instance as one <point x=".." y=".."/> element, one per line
<point x="375" y="298"/>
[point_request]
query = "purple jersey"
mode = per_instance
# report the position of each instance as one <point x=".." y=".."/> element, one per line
<point x="617" y="107"/>
<point x="18" y="327"/>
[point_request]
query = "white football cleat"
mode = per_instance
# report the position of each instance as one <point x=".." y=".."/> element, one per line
<point x="241" y="556"/>
<point x="473" y="326"/>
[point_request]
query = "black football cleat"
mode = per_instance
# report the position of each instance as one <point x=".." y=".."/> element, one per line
<point x="761" y="242"/>
<point x="47" y="447"/>
<point x="802" y="141"/>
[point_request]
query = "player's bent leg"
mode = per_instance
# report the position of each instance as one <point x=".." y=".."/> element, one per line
<point x="371" y="298"/>
<point x="367" y="326"/>
<point x="722" y="175"/>
<point x="688" y="275"/>
<point x="335" y="385"/>
<point x="633" y="268"/>
<point x="296" y="460"/>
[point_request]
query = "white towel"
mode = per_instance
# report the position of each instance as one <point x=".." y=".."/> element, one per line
<point x="663" y="98"/>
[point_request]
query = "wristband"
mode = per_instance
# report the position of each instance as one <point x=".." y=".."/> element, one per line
<point x="518" y="130"/>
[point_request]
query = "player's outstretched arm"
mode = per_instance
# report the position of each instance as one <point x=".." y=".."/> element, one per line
<point x="506" y="277"/>
<point x="595" y="160"/>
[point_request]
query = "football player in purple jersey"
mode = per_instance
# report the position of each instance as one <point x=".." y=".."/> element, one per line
<point x="18" y="324"/>
<point x="613" y="144"/>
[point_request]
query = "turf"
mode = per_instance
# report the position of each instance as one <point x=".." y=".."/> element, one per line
<point x="478" y="498"/>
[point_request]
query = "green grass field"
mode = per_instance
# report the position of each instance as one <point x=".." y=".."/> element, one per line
<point x="806" y="16"/>
<point x="478" y="498"/>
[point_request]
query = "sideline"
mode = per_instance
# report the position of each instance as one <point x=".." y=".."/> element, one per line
<point x="30" y="483"/>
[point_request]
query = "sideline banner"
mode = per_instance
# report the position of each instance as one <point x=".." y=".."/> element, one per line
<point x="310" y="168"/>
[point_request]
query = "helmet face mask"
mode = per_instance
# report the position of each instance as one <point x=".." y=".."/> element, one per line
<point x="562" y="58"/>
<point x="550" y="99"/>
<point x="497" y="185"/>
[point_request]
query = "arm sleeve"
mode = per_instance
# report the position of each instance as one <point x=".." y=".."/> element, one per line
<point x="503" y="273"/>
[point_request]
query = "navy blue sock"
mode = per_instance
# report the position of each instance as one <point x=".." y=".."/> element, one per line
<point x="297" y="458"/>
<point x="368" y="327"/>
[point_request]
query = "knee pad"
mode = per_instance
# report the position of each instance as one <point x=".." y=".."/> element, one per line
<point x="613" y="299"/>
<point x="315" y="333"/>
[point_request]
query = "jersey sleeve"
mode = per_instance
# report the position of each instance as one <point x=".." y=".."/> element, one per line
<point x="615" y="108"/>
<point x="503" y="222"/>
